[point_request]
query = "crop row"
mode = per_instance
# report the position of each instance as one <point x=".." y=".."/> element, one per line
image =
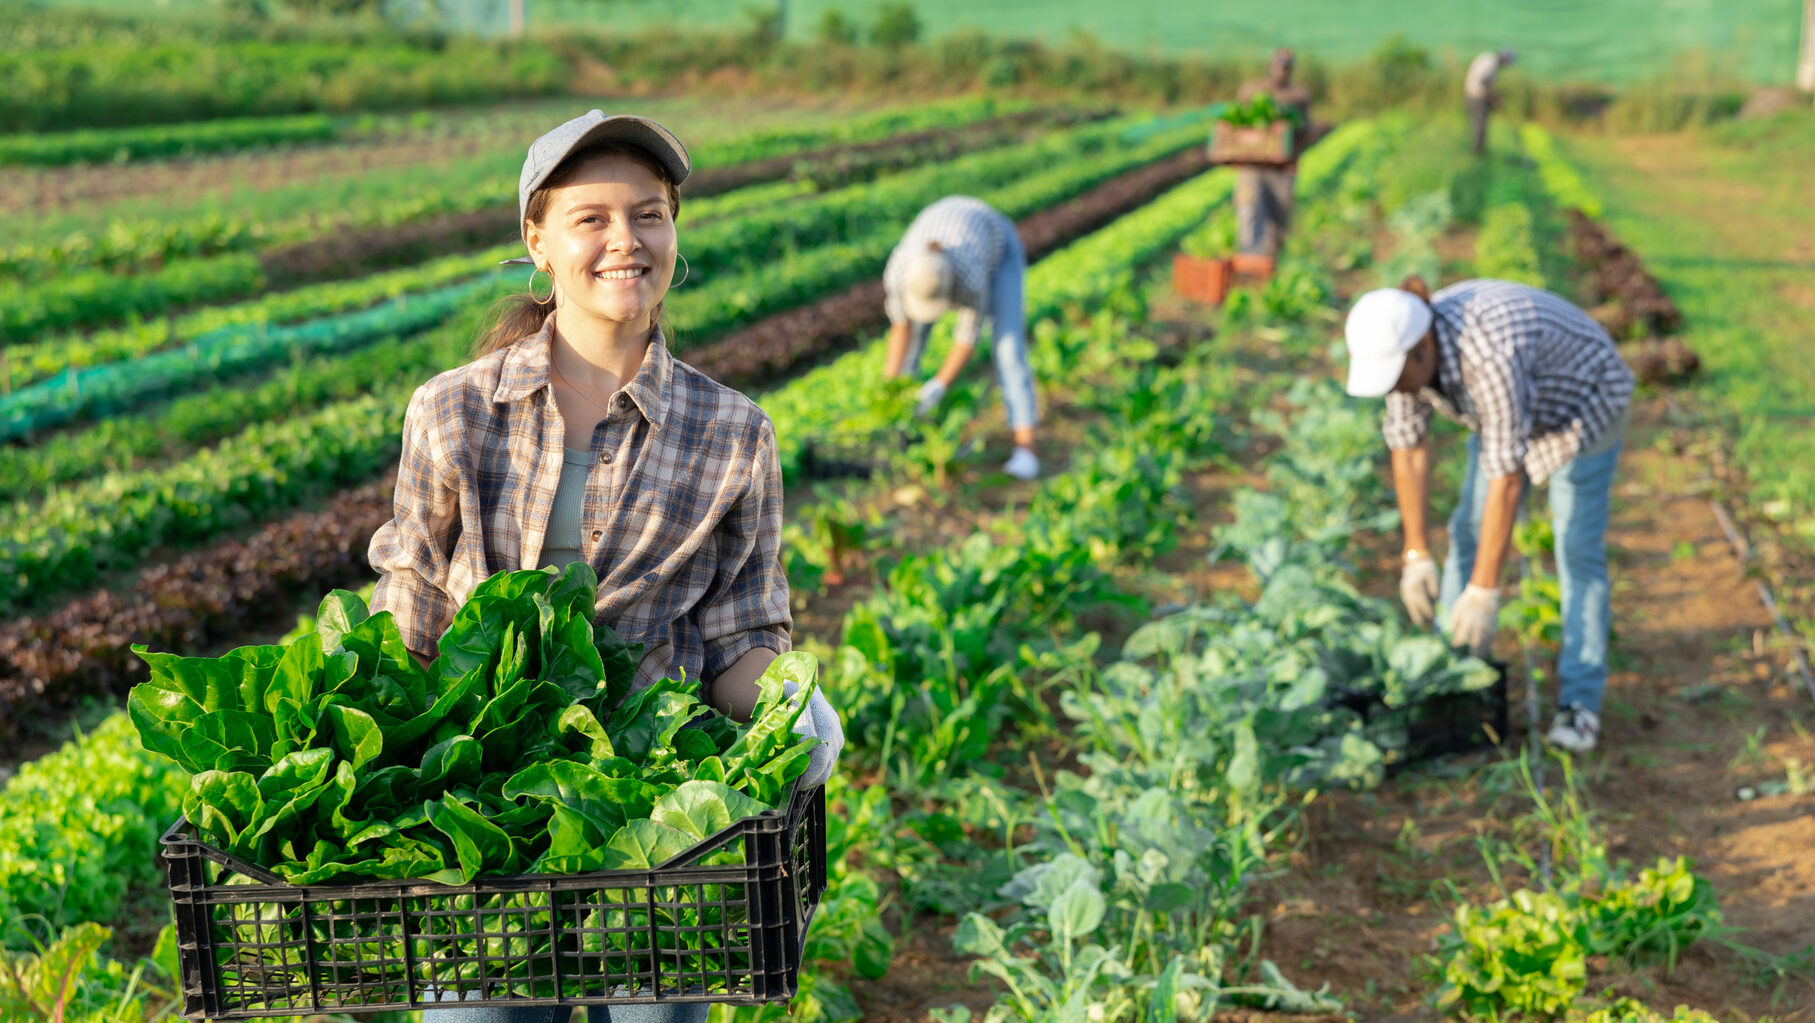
<point x="708" y="308"/>
<point x="118" y="442"/>
<point x="1184" y="771"/>
<point x="1126" y="895"/>
<point x="1079" y="515"/>
<point x="1187" y="202"/>
<point x="1506" y="246"/>
<point x="297" y="213"/>
<point x="1566" y="187"/>
<point x="343" y="253"/>
<point x="747" y="239"/>
<point x="81" y="827"/>
<point x="1074" y="277"/>
<point x="78" y="532"/>
<point x="48" y="663"/>
<point x="24" y="364"/>
<point x="118" y="145"/>
<point x="758" y="353"/>
<point x="95" y="297"/>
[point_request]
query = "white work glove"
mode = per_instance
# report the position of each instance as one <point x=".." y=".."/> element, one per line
<point x="931" y="393"/>
<point x="1418" y="587"/>
<point x="820" y="721"/>
<point x="1475" y="619"/>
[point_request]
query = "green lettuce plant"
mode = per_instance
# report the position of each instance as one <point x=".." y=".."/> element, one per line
<point x="522" y="748"/>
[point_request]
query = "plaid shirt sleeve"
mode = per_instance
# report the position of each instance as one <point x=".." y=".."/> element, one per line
<point x="1407" y="421"/>
<point x="411" y="552"/>
<point x="746" y="607"/>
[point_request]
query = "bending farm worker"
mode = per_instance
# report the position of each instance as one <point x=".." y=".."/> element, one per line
<point x="1479" y="94"/>
<point x="961" y="254"/>
<point x="1264" y="195"/>
<point x="575" y="435"/>
<point x="1544" y="394"/>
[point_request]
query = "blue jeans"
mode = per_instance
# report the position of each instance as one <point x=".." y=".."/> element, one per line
<point x="1007" y="315"/>
<point x="692" y="1012"/>
<point x="1580" y="495"/>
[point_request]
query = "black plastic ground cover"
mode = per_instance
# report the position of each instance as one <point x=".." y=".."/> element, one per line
<point x="725" y="921"/>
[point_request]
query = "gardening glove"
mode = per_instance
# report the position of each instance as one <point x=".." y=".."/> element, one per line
<point x="1475" y="619"/>
<point x="820" y="721"/>
<point x="1418" y="587"/>
<point x="931" y="393"/>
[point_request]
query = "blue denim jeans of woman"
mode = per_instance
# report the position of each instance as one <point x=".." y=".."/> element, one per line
<point x="1007" y="324"/>
<point x="1580" y="500"/>
<point x="693" y="1012"/>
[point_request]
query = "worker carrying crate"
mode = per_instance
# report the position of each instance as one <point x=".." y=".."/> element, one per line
<point x="1262" y="136"/>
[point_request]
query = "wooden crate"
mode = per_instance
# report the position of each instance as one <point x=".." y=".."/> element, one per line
<point x="1273" y="145"/>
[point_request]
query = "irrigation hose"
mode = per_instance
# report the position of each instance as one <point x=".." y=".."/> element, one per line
<point x="1743" y="552"/>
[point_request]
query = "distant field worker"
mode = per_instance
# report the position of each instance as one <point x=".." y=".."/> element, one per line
<point x="960" y="253"/>
<point x="1479" y="94"/>
<point x="1544" y="393"/>
<point x="1263" y="195"/>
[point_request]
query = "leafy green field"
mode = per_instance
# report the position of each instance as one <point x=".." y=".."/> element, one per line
<point x="1144" y="740"/>
<point x="1608" y="41"/>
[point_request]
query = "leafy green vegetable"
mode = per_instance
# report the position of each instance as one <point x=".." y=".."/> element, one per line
<point x="522" y="749"/>
<point x="1261" y="111"/>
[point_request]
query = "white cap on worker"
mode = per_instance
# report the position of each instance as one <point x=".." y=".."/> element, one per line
<point x="1383" y="326"/>
<point x="926" y="288"/>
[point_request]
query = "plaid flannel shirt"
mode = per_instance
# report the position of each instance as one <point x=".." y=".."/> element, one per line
<point x="683" y="507"/>
<point x="1532" y="374"/>
<point x="974" y="236"/>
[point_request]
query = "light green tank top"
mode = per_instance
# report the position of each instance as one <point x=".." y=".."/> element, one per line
<point x="566" y="526"/>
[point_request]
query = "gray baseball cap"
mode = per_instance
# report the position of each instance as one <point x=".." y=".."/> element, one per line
<point x="547" y="152"/>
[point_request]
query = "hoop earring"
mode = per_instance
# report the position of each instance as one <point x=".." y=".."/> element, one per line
<point x="532" y="286"/>
<point x="686" y="271"/>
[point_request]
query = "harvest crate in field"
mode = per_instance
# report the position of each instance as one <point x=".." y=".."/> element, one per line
<point x="1269" y="145"/>
<point x="724" y="921"/>
<point x="1438" y="725"/>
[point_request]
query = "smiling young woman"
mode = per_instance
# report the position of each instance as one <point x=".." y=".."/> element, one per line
<point x="574" y="435"/>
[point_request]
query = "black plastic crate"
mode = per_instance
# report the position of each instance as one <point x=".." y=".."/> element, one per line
<point x="695" y="929"/>
<point x="1439" y="726"/>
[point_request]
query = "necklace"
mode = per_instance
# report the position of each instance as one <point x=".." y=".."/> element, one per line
<point x="590" y="400"/>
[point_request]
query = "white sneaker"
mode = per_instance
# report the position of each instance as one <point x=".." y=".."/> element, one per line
<point x="1022" y="465"/>
<point x="1575" y="728"/>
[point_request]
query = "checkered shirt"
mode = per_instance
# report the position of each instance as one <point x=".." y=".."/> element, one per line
<point x="683" y="507"/>
<point x="974" y="236"/>
<point x="1525" y="369"/>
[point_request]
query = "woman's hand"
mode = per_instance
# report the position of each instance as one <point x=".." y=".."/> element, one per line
<point x="821" y="722"/>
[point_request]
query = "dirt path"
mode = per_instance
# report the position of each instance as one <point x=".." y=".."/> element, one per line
<point x="1723" y="219"/>
<point x="1701" y="702"/>
<point x="1696" y="707"/>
